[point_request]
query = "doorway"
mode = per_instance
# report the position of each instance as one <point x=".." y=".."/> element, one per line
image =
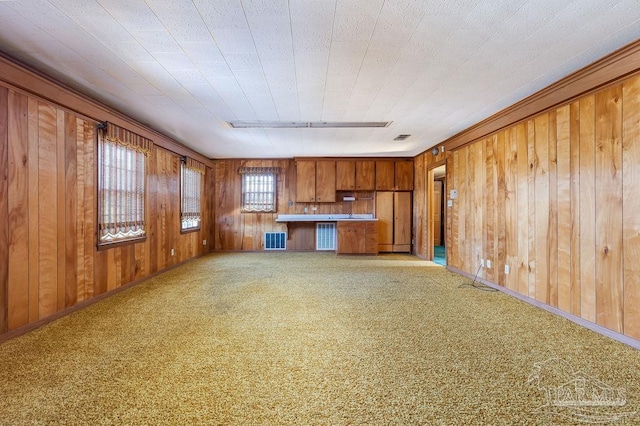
<point x="437" y="214"/>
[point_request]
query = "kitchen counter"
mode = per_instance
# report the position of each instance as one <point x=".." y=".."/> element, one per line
<point x="338" y="217"/>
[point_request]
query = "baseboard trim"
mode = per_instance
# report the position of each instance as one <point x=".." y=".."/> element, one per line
<point x="79" y="306"/>
<point x="580" y="321"/>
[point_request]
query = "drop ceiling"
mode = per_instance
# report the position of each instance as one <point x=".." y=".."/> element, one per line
<point x="430" y="67"/>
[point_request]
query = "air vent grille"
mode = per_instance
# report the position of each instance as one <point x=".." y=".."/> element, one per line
<point x="326" y="236"/>
<point x="401" y="137"/>
<point x="275" y="240"/>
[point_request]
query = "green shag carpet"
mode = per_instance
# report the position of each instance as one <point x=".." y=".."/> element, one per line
<point x="311" y="338"/>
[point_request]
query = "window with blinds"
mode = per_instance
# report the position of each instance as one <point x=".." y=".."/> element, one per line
<point x="259" y="190"/>
<point x="191" y="192"/>
<point x="122" y="157"/>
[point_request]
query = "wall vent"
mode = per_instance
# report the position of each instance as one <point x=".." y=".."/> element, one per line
<point x="326" y="236"/>
<point x="275" y="240"/>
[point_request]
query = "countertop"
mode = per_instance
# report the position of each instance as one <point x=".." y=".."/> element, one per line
<point x="338" y="217"/>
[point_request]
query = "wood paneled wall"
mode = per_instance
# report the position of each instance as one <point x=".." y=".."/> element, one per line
<point x="556" y="199"/>
<point x="244" y="231"/>
<point x="48" y="257"/>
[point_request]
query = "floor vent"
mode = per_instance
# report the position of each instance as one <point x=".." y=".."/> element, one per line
<point x="275" y="240"/>
<point x="326" y="236"/>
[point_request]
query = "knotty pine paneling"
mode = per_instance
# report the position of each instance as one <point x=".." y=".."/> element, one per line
<point x="555" y="197"/>
<point x="236" y="231"/>
<point x="48" y="257"/>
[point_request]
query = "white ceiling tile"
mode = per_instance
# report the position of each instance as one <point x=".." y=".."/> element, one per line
<point x="243" y="61"/>
<point x="156" y="41"/>
<point x="134" y="15"/>
<point x="202" y="52"/>
<point x="174" y="61"/>
<point x="234" y="41"/>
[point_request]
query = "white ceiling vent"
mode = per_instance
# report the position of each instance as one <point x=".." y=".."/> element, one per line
<point x="306" y="124"/>
<point x="401" y="137"/>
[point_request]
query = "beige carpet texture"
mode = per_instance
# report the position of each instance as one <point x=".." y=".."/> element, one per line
<point x="315" y="338"/>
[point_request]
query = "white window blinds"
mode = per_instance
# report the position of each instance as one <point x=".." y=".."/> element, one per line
<point x="122" y="157"/>
<point x="191" y="193"/>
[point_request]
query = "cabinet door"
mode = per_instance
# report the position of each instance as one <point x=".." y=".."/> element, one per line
<point x="384" y="213"/>
<point x="385" y="175"/>
<point x="325" y="181"/>
<point x="305" y="181"/>
<point x="404" y="176"/>
<point x="371" y="237"/>
<point x="365" y="175"/>
<point x="351" y="237"/>
<point x="402" y="222"/>
<point x="345" y="175"/>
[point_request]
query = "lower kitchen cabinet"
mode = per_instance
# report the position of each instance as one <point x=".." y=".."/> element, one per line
<point x="393" y="210"/>
<point x="359" y="237"/>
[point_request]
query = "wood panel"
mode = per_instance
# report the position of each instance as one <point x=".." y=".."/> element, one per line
<point x="542" y="214"/>
<point x="587" y="209"/>
<point x="18" y="210"/>
<point x="420" y="208"/>
<point x="48" y="217"/>
<point x="511" y="208"/>
<point x="631" y="218"/>
<point x="4" y="212"/>
<point x="609" y="269"/>
<point x="575" y="207"/>
<point x="522" y="196"/>
<point x="34" y="238"/>
<point x="563" y="124"/>
<point x="385" y="175"/>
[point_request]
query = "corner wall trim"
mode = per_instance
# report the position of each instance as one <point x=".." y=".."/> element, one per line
<point x="584" y="323"/>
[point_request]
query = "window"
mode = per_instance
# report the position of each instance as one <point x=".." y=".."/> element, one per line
<point x="191" y="191"/>
<point x="259" y="189"/>
<point x="122" y="158"/>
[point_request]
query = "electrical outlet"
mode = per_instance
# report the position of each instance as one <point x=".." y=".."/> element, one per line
<point x="449" y="203"/>
<point x="314" y="208"/>
<point x="488" y="264"/>
<point x="482" y="262"/>
<point x="506" y="269"/>
<point x="173" y="252"/>
<point x="204" y="242"/>
<point x="306" y="209"/>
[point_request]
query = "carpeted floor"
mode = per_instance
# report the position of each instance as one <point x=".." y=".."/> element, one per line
<point x="311" y="338"/>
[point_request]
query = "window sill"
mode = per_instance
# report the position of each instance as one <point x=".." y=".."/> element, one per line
<point x="190" y="230"/>
<point x="121" y="243"/>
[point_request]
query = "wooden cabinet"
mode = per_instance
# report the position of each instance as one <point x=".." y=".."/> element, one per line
<point x="345" y="175"/>
<point x="394" y="175"/>
<point x="315" y="181"/>
<point x="393" y="210"/>
<point x="365" y="175"/>
<point x="355" y="175"/>
<point x="358" y="237"/>
<point x="385" y="175"/>
<point x="404" y="175"/>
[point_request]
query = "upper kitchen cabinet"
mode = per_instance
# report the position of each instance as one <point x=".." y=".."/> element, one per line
<point x="385" y="175"/>
<point x="345" y="175"/>
<point x="404" y="175"/>
<point x="355" y="175"/>
<point x="315" y="181"/>
<point x="365" y="175"/>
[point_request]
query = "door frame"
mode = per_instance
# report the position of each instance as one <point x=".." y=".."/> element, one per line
<point x="430" y="201"/>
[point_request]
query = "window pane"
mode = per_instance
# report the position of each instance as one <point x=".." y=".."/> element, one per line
<point x="190" y="193"/>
